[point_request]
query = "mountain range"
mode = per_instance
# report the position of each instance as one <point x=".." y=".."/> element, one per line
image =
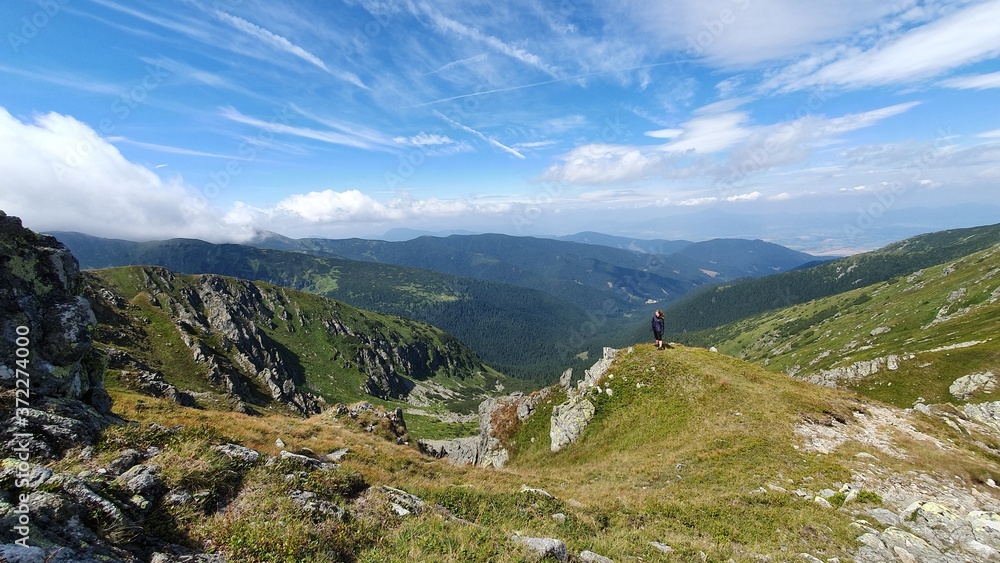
<point x="528" y="306"/>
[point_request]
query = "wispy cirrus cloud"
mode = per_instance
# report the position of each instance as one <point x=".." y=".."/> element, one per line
<point x="973" y="81"/>
<point x="464" y="31"/>
<point x="479" y="135"/>
<point x="717" y="146"/>
<point x="327" y="136"/>
<point x="283" y="44"/>
<point x="963" y="37"/>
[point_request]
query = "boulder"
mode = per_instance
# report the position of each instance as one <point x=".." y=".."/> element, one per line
<point x="544" y="547"/>
<point x="568" y="422"/>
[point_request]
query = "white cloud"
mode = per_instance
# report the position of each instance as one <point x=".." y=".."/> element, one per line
<point x="752" y="196"/>
<point x="423" y="139"/>
<point x="278" y="125"/>
<point x="745" y="149"/>
<point x="697" y="201"/>
<point x="59" y="174"/>
<point x="331" y="208"/>
<point x="489" y="140"/>
<point x="783" y="196"/>
<point x="710" y="133"/>
<point x="604" y="164"/>
<point x="283" y="44"/>
<point x="994" y="134"/>
<point x="974" y="81"/>
<point x="464" y="31"/>
<point x="743" y="33"/>
<point x="963" y="37"/>
<point x="664" y="133"/>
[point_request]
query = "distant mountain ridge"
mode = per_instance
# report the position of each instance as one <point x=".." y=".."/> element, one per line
<point x="528" y="306"/>
<point x="650" y="246"/>
<point x="636" y="270"/>
<point x="724" y="304"/>
<point x="927" y="336"/>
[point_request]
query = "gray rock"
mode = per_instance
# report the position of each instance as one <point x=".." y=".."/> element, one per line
<point x="142" y="480"/>
<point x="568" y="422"/>
<point x="661" y="547"/>
<point x="460" y="451"/>
<point x="337" y="455"/>
<point x="309" y="501"/>
<point x="544" y="547"/>
<point x="591" y="557"/>
<point x="402" y="502"/>
<point x="126" y="460"/>
<point x="14" y="553"/>
<point x="966" y="386"/>
<point x="40" y="296"/>
<point x="238" y="453"/>
<point x="307" y="461"/>
<point x="566" y="379"/>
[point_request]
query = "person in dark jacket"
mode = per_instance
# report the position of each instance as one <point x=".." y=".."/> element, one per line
<point x="657" y="328"/>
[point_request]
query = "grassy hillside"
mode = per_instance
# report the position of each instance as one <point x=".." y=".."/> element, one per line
<point x="694" y="450"/>
<point x="941" y="322"/>
<point x="326" y="345"/>
<point x="720" y="305"/>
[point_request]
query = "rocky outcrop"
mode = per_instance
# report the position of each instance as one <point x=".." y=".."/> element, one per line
<point x="233" y="330"/>
<point x="113" y="511"/>
<point x="571" y="418"/>
<point x="388" y="424"/>
<point x="966" y="386"/>
<point x="857" y="370"/>
<point x="500" y="416"/>
<point x="52" y="377"/>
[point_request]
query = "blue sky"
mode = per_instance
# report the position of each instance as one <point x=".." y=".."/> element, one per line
<point x="829" y="126"/>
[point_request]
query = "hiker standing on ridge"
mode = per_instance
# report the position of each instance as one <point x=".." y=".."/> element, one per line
<point x="656" y="326"/>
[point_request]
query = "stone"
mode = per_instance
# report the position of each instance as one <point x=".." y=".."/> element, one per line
<point x="661" y="547"/>
<point x="309" y="501"/>
<point x="591" y="557"/>
<point x="14" y="553"/>
<point x="238" y="453"/>
<point x="540" y="492"/>
<point x="568" y="422"/>
<point x="544" y="547"/>
<point x="337" y="455"/>
<point x="126" y="460"/>
<point x="966" y="386"/>
<point x="143" y="480"/>
<point x="566" y="379"/>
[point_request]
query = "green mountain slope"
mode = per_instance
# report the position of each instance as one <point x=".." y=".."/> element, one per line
<point x="651" y="246"/>
<point x="522" y="332"/>
<point x="267" y="345"/>
<point x="903" y="340"/>
<point x="588" y="276"/>
<point x="721" y="460"/>
<point x="717" y="306"/>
